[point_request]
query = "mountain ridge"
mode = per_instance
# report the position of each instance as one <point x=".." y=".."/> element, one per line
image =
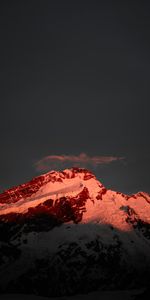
<point x="64" y="233"/>
<point x="71" y="192"/>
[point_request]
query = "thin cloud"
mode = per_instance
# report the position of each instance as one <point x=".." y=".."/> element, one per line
<point x="81" y="160"/>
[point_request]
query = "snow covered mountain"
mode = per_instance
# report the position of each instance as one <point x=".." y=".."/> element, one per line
<point x="65" y="233"/>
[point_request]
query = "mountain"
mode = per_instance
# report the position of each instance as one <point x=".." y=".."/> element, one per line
<point x="64" y="233"/>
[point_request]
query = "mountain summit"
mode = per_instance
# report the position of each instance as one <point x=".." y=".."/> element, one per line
<point x="73" y="195"/>
<point x="66" y="231"/>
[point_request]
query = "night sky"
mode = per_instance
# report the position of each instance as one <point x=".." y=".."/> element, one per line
<point x="75" y="78"/>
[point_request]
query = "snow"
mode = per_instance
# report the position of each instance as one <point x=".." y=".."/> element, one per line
<point x="103" y="219"/>
<point x="44" y="244"/>
<point x="50" y="190"/>
<point x="141" y="207"/>
<point x="69" y="186"/>
<point x="105" y="211"/>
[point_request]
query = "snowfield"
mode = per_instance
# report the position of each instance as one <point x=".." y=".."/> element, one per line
<point x="63" y="233"/>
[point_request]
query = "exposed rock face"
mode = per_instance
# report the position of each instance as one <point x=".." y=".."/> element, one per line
<point x="64" y="233"/>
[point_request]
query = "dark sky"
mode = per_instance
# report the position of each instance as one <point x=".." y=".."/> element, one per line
<point x="75" y="77"/>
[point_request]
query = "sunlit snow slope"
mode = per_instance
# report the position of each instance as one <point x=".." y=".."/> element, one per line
<point x="74" y="195"/>
<point x="64" y="233"/>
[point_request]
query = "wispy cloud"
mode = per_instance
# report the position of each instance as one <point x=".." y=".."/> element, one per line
<point x="81" y="160"/>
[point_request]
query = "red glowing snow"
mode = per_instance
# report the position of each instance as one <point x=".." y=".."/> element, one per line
<point x="73" y="195"/>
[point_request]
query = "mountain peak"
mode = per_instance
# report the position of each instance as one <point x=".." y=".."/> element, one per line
<point x="68" y="223"/>
<point x="72" y="195"/>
